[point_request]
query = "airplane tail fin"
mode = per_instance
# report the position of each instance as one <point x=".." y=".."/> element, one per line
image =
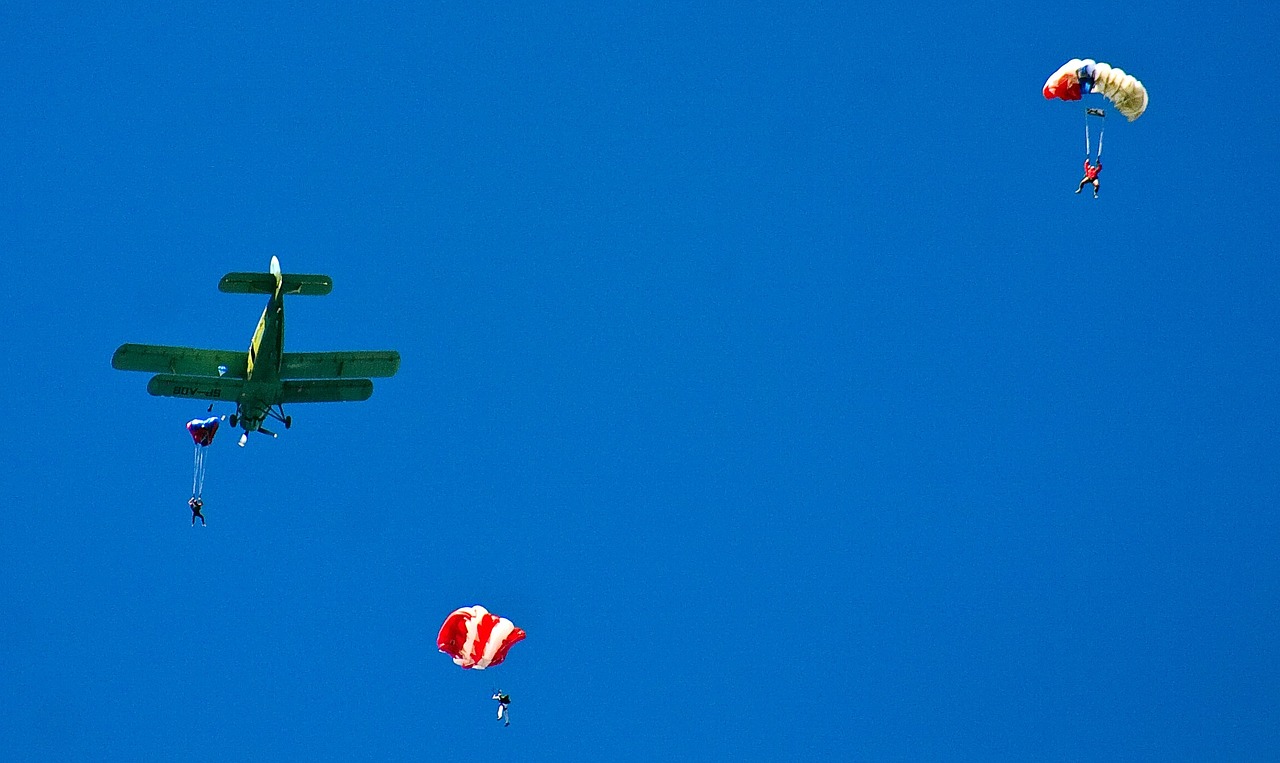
<point x="305" y="284"/>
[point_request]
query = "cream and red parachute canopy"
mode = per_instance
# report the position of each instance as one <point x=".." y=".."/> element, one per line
<point x="476" y="639"/>
<point x="1079" y="77"/>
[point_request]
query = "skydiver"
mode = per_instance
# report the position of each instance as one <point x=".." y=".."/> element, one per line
<point x="196" y="504"/>
<point x="1091" y="175"/>
<point x="504" y="706"/>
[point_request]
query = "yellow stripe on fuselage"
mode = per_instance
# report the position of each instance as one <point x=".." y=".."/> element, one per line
<point x="266" y="356"/>
<point x="257" y="342"/>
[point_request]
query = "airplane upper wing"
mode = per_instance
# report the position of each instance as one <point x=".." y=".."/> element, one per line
<point x="306" y="284"/>
<point x="324" y="391"/>
<point x="184" y="361"/>
<point x="338" y="365"/>
<point x="202" y="387"/>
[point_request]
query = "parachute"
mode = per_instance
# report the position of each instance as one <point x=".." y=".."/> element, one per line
<point x="476" y="639"/>
<point x="1079" y="77"/>
<point x="202" y="432"/>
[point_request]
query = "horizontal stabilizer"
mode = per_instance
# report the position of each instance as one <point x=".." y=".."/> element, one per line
<point x="265" y="283"/>
<point x="201" y="387"/>
<point x="343" y="391"/>
<point x="184" y="361"/>
<point x="338" y="365"/>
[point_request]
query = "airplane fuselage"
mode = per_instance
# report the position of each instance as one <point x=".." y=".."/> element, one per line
<point x="262" y="369"/>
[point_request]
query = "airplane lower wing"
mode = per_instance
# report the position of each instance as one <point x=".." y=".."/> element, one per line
<point x="183" y="361"/>
<point x="338" y="365"/>
<point x="201" y="387"/>
<point x="325" y="391"/>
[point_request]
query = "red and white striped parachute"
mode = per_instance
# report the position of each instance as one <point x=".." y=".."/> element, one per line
<point x="476" y="639"/>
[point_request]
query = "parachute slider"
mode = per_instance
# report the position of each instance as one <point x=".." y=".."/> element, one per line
<point x="1096" y="113"/>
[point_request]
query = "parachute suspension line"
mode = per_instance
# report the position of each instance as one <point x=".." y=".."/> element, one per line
<point x="1102" y="129"/>
<point x="195" y="472"/>
<point x="197" y="477"/>
<point x="1086" y="134"/>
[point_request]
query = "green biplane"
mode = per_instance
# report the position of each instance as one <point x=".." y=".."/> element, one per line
<point x="261" y="381"/>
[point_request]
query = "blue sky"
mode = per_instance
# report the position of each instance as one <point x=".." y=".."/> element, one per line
<point x="757" y="360"/>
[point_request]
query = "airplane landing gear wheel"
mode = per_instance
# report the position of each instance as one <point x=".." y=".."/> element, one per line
<point x="232" y="421"/>
<point x="288" y="421"/>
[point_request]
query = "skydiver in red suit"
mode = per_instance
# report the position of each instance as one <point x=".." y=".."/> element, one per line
<point x="1091" y="175"/>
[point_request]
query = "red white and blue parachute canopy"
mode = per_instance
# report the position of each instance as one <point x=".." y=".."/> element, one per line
<point x="476" y="639"/>
<point x="1079" y="77"/>
<point x="203" y="430"/>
